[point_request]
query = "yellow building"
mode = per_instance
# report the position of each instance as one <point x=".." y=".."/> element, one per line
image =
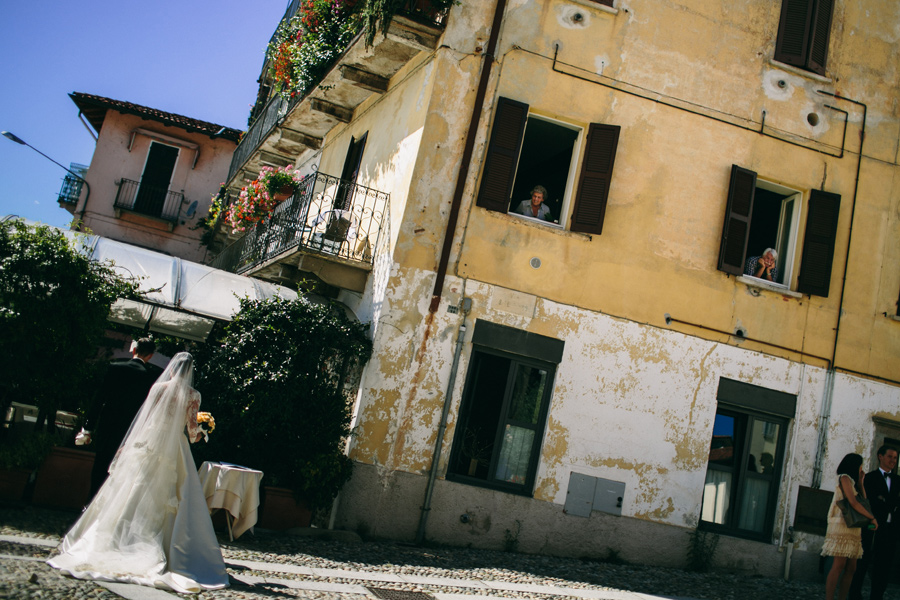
<point x="603" y="374"/>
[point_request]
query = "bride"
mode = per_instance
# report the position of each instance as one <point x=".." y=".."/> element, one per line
<point x="149" y="523"/>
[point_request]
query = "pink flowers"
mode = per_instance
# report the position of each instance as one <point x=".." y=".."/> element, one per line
<point x="256" y="201"/>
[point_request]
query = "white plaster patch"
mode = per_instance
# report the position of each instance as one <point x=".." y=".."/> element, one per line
<point x="778" y="85"/>
<point x="420" y="101"/>
<point x="600" y="63"/>
<point x="573" y="17"/>
<point x="513" y="302"/>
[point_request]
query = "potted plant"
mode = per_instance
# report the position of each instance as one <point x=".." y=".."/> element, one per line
<point x="20" y="455"/>
<point x="281" y="183"/>
<point x="259" y="198"/>
<point x="278" y="384"/>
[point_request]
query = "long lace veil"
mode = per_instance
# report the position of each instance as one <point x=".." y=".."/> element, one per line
<point x="160" y="423"/>
<point x="126" y="531"/>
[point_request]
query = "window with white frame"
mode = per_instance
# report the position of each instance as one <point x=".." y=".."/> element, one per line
<point x="528" y="150"/>
<point x="760" y="215"/>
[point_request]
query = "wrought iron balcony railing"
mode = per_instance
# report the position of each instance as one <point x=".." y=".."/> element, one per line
<point x="70" y="190"/>
<point x="270" y="116"/>
<point x="149" y="200"/>
<point x="326" y="216"/>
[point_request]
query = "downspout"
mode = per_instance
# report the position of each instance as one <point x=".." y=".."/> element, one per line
<point x="825" y="415"/>
<point x="453" y="216"/>
<point x="442" y="428"/>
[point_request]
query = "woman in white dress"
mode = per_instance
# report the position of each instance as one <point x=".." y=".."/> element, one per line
<point x="149" y="523"/>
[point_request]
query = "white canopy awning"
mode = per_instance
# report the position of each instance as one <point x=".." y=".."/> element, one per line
<point x="181" y="298"/>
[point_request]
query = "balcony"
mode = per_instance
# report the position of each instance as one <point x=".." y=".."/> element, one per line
<point x="329" y="227"/>
<point x="149" y="201"/>
<point x="283" y="130"/>
<point x="71" y="188"/>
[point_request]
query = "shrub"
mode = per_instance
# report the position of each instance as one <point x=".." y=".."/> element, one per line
<point x="275" y="384"/>
<point x="54" y="303"/>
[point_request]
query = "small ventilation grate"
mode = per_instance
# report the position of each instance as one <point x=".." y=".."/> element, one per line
<point x="386" y="594"/>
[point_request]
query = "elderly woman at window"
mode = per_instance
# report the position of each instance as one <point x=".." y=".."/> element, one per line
<point x="763" y="267"/>
<point x="535" y="207"/>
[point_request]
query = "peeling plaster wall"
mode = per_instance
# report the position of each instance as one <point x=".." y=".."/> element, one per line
<point x="631" y="403"/>
<point x="634" y="397"/>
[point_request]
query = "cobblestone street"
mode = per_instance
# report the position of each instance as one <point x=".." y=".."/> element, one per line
<point x="272" y="565"/>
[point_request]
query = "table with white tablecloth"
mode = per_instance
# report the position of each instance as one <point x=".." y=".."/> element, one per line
<point x="236" y="490"/>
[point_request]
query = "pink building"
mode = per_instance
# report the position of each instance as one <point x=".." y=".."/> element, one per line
<point x="152" y="176"/>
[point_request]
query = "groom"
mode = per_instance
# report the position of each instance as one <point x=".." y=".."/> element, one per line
<point x="883" y="492"/>
<point x="121" y="394"/>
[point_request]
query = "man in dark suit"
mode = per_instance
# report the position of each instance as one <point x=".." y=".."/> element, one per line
<point x="121" y="394"/>
<point x="883" y="492"/>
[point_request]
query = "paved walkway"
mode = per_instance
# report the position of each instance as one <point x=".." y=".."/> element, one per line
<point x="351" y="583"/>
<point x="325" y="565"/>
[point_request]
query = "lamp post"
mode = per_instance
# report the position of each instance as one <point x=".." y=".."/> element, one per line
<point x="13" y="137"/>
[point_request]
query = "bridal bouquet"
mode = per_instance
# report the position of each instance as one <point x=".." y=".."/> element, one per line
<point x="207" y="424"/>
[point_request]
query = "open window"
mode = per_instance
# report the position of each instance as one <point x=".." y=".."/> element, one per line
<point x="153" y="189"/>
<point x="528" y="150"/>
<point x="761" y="215"/>
<point x="504" y="408"/>
<point x="803" y="34"/>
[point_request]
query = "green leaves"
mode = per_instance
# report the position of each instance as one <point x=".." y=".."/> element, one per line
<point x="276" y="383"/>
<point x="54" y="302"/>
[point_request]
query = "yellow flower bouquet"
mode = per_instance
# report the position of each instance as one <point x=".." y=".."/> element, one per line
<point x="207" y="423"/>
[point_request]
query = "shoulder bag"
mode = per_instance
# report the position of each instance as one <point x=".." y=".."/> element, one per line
<point x="852" y="517"/>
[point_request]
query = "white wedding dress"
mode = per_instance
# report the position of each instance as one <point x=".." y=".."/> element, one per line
<point x="149" y="523"/>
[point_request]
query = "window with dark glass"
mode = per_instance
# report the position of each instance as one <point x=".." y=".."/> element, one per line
<point x="504" y="408"/>
<point x="746" y="455"/>
<point x="761" y="215"/>
<point x="527" y="150"/>
<point x="803" y="34"/>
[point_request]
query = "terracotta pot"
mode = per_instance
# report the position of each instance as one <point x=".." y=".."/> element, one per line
<point x="64" y="480"/>
<point x="284" y="193"/>
<point x="12" y="484"/>
<point x="279" y="510"/>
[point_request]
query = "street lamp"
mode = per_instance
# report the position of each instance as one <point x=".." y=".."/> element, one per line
<point x="13" y="137"/>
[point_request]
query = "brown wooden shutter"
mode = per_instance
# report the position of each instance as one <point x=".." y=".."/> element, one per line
<point x="791" y="46"/>
<point x="818" y="244"/>
<point x="502" y="155"/>
<point x="821" y="32"/>
<point x="738" y="210"/>
<point x="593" y="183"/>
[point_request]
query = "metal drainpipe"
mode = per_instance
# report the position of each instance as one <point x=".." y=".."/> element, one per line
<point x="463" y="174"/>
<point x="825" y="415"/>
<point x="442" y="428"/>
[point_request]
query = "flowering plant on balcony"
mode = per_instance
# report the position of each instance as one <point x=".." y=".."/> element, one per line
<point x="275" y="180"/>
<point x="257" y="200"/>
<point x="305" y="45"/>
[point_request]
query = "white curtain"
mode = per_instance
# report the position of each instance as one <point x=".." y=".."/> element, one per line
<point x="716" y="497"/>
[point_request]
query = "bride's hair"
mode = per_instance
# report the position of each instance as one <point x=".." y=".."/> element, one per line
<point x="180" y="367"/>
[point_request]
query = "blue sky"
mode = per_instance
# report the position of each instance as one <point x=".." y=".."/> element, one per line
<point x="198" y="58"/>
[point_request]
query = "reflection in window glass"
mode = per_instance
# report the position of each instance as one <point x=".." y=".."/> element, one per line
<point x="721" y="450"/>
<point x="525" y="404"/>
<point x="741" y="488"/>
<point x="515" y="450"/>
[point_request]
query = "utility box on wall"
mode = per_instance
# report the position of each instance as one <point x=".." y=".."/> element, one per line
<point x="586" y="493"/>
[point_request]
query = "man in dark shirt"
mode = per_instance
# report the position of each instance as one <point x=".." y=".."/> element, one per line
<point x="121" y="394"/>
<point x="883" y="492"/>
